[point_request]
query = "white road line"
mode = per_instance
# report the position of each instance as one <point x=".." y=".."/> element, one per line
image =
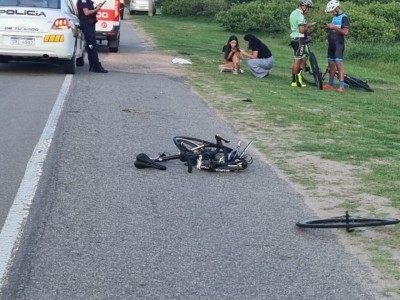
<point x="13" y="227"/>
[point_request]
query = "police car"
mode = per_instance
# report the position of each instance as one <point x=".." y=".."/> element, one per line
<point x="41" y="30"/>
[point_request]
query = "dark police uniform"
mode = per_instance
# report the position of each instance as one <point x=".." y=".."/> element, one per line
<point x="88" y="25"/>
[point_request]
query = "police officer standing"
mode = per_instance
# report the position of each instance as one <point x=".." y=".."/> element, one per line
<point x="87" y="16"/>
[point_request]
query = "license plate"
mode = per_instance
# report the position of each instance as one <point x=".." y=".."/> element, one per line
<point x="22" y="41"/>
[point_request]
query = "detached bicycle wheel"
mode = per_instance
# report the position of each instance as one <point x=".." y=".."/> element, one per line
<point x="357" y="83"/>
<point x="316" y="71"/>
<point x="347" y="222"/>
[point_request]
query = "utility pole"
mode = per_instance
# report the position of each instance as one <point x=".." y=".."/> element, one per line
<point x="150" y="8"/>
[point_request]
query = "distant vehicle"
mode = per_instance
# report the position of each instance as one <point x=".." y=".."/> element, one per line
<point x="108" y="25"/>
<point x="141" y="6"/>
<point x="41" y="30"/>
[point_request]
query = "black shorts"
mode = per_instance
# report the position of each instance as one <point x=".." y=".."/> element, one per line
<point x="335" y="52"/>
<point x="299" y="47"/>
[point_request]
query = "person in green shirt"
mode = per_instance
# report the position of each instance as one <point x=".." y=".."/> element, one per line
<point x="298" y="36"/>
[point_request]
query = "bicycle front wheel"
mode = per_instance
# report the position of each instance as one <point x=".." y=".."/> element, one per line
<point x="357" y="83"/>
<point x="316" y="71"/>
<point x="343" y="222"/>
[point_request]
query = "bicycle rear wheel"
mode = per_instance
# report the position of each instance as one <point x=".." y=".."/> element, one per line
<point x="357" y="83"/>
<point x="194" y="143"/>
<point x="191" y="143"/>
<point x="344" y="222"/>
<point x="192" y="149"/>
<point x="316" y="71"/>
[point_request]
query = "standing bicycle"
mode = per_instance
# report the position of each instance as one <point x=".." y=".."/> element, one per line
<point x="311" y="73"/>
<point x="337" y="30"/>
<point x="299" y="27"/>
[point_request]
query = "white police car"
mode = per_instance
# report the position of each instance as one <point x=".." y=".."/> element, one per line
<point x="41" y="30"/>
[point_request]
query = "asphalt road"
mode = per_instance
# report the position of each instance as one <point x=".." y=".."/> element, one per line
<point x="101" y="229"/>
<point x="28" y="93"/>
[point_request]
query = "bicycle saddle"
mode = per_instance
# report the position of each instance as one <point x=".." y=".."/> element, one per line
<point x="143" y="161"/>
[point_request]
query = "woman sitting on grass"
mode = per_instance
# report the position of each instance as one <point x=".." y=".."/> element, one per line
<point x="232" y="56"/>
<point x="260" y="60"/>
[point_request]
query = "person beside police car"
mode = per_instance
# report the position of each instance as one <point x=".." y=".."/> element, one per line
<point x="87" y="17"/>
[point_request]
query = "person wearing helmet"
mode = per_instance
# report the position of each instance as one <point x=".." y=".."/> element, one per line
<point x="337" y="30"/>
<point x="299" y="27"/>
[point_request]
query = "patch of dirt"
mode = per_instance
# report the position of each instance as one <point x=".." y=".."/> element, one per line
<point x="148" y="61"/>
<point x="334" y="184"/>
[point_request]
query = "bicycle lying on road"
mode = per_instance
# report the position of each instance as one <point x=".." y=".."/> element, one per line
<point x="209" y="156"/>
<point x="347" y="222"/>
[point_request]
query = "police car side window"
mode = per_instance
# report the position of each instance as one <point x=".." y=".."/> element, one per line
<point x="54" y="3"/>
<point x="9" y="3"/>
<point x="33" y="3"/>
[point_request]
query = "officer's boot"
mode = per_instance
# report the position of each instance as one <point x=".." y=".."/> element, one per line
<point x="98" y="68"/>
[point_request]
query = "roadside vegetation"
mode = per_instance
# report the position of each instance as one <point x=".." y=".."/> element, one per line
<point x="355" y="134"/>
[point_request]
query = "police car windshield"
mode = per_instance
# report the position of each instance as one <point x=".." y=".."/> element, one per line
<point x="31" y="3"/>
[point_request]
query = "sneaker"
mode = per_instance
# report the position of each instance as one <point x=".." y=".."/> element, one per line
<point x="327" y="87"/>
<point x="340" y="90"/>
<point x="299" y="84"/>
<point x="235" y="72"/>
<point x="299" y="81"/>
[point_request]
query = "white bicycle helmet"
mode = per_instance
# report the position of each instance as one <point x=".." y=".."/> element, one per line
<point x="332" y="5"/>
<point x="307" y="3"/>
